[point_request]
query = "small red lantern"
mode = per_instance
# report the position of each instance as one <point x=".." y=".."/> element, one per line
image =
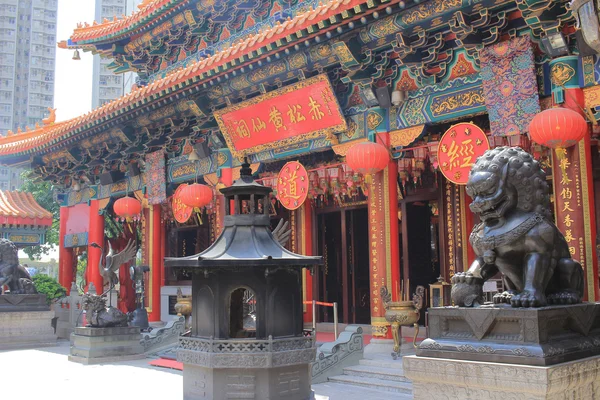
<point x="558" y="128"/>
<point x="127" y="207"/>
<point x="196" y="195"/>
<point x="367" y="158"/>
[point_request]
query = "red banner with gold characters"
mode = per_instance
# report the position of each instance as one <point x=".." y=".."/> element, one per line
<point x="299" y="112"/>
<point x="181" y="212"/>
<point x="292" y="185"/>
<point x="459" y="148"/>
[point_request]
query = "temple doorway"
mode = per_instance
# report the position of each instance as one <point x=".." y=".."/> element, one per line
<point x="420" y="240"/>
<point x="344" y="278"/>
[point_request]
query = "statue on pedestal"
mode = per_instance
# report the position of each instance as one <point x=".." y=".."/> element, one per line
<point x="12" y="274"/>
<point x="516" y="236"/>
<point x="97" y="313"/>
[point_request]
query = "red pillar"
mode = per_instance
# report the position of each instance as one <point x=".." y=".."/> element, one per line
<point x="226" y="179"/>
<point x="573" y="189"/>
<point x="383" y="241"/>
<point x="65" y="255"/>
<point x="392" y="234"/>
<point x="305" y="228"/>
<point x="95" y="235"/>
<point x="156" y="263"/>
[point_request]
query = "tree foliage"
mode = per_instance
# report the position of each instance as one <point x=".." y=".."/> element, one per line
<point x="48" y="286"/>
<point x="43" y="193"/>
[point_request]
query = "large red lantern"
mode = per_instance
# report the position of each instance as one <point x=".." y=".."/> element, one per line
<point x="196" y="195"/>
<point x="127" y="207"/>
<point x="558" y="128"/>
<point x="367" y="158"/>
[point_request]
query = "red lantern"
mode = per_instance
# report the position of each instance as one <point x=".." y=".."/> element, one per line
<point x="127" y="207"/>
<point x="367" y="158"/>
<point x="558" y="128"/>
<point x="196" y="195"/>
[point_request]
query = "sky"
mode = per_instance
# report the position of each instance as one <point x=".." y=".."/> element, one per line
<point x="73" y="88"/>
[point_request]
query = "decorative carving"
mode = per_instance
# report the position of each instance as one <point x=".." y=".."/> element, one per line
<point x="100" y="316"/>
<point x="447" y="379"/>
<point x="516" y="236"/>
<point x="166" y="336"/>
<point x="245" y="353"/>
<point x="347" y="347"/>
<point x="561" y="73"/>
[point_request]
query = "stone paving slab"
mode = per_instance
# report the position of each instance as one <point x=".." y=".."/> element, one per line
<point x="339" y="391"/>
<point x="46" y="373"/>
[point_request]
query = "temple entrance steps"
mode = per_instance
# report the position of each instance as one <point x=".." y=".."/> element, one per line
<point x="379" y="373"/>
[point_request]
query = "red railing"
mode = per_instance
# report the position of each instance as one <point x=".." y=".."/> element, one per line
<point x="314" y="315"/>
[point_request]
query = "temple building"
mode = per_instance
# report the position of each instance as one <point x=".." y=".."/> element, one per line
<point x="23" y="221"/>
<point x="294" y="85"/>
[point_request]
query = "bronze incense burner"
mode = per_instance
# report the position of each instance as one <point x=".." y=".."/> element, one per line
<point x="402" y="313"/>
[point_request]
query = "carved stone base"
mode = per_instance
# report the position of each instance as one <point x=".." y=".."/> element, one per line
<point x="527" y="336"/>
<point x="438" y="378"/>
<point x="23" y="302"/>
<point x="26" y="329"/>
<point x="101" y="345"/>
<point x="246" y="369"/>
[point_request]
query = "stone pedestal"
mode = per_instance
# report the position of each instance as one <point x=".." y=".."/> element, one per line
<point x="23" y="302"/>
<point x="246" y="369"/>
<point x="26" y="329"/>
<point x="526" y="336"/>
<point x="439" y="378"/>
<point x="101" y="345"/>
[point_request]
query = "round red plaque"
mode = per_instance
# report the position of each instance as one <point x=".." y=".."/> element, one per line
<point x="459" y="148"/>
<point x="181" y="212"/>
<point x="292" y="185"/>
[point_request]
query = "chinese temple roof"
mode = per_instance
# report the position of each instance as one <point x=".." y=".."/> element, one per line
<point x="33" y="141"/>
<point x="150" y="11"/>
<point x="20" y="208"/>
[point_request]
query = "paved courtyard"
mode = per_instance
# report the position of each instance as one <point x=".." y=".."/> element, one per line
<point x="46" y="373"/>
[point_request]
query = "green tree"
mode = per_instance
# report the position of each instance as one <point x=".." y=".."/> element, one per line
<point x="48" y="286"/>
<point x="42" y="192"/>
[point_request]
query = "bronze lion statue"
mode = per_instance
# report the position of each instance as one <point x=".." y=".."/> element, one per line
<point x="516" y="236"/>
<point x="12" y="274"/>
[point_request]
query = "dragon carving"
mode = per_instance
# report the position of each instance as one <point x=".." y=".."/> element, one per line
<point x="12" y="274"/>
<point x="99" y="315"/>
<point x="516" y="236"/>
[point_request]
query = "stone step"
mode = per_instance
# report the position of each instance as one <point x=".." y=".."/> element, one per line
<point x="382" y="363"/>
<point x="373" y="383"/>
<point x="387" y="374"/>
<point x="341" y="391"/>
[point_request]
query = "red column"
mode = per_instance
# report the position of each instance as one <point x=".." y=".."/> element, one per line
<point x="391" y="217"/>
<point x="226" y="179"/>
<point x="65" y="255"/>
<point x="574" y="201"/>
<point x="95" y="235"/>
<point x="305" y="228"/>
<point x="382" y="244"/>
<point x="156" y="263"/>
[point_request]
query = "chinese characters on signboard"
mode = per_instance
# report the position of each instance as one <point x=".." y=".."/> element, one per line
<point x="292" y="185"/>
<point x="181" y="212"/>
<point x="299" y="112"/>
<point x="459" y="148"/>
<point x="569" y="203"/>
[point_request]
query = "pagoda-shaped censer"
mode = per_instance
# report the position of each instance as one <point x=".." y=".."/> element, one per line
<point x="247" y="339"/>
